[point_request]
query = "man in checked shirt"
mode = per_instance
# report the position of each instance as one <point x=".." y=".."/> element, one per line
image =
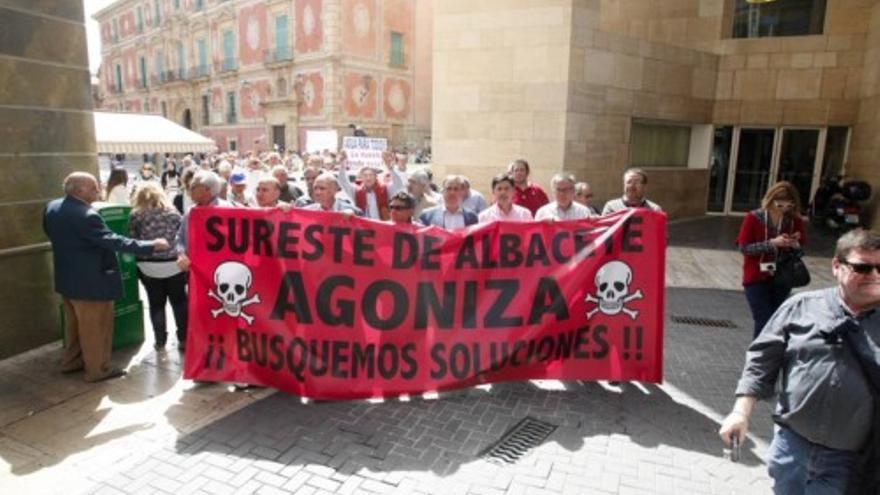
<point x="825" y="408"/>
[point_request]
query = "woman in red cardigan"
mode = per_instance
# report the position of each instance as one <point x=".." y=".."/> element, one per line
<point x="765" y="232"/>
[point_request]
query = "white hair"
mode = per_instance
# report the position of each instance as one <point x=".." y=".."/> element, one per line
<point x="561" y="176"/>
<point x="207" y="179"/>
<point x="224" y="166"/>
<point x="327" y="177"/>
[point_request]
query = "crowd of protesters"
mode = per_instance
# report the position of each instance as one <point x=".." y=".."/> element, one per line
<point x="394" y="193"/>
<point x="271" y="179"/>
<point x="821" y="345"/>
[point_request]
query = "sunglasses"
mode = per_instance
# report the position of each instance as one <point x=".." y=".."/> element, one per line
<point x="400" y="207"/>
<point x="861" y="268"/>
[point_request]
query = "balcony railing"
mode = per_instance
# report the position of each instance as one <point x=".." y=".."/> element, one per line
<point x="279" y="55"/>
<point x="171" y="76"/>
<point x="229" y="65"/>
<point x="198" y="71"/>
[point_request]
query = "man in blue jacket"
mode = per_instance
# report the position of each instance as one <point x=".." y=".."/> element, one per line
<point x="87" y="275"/>
<point x="450" y="215"/>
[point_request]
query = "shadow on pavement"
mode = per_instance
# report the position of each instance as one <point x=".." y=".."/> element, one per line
<point x="443" y="435"/>
<point x="49" y="416"/>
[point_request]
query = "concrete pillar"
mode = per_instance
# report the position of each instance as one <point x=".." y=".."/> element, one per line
<point x="864" y="154"/>
<point x="501" y="79"/>
<point x="48" y="132"/>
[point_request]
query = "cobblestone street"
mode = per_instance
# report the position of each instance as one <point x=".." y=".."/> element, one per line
<point x="153" y="433"/>
<point x="628" y="439"/>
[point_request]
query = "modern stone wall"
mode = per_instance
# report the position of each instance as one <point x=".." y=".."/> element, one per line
<point x="501" y="79"/>
<point x="540" y="80"/>
<point x="864" y="154"/>
<point x="615" y="78"/>
<point x="560" y="83"/>
<point x="48" y="131"/>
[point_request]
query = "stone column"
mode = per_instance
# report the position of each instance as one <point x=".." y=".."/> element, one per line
<point x="864" y="153"/>
<point x="48" y="131"/>
<point x="501" y="80"/>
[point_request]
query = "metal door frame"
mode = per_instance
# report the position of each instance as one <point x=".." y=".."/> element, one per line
<point x="774" y="159"/>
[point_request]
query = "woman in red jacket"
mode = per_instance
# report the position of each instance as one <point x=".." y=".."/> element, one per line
<point x="765" y="233"/>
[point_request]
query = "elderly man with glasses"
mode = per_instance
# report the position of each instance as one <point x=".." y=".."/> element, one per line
<point x="451" y="215"/>
<point x="823" y="349"/>
<point x="563" y="207"/>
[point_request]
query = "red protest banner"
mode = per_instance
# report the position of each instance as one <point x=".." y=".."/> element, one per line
<point x="330" y="307"/>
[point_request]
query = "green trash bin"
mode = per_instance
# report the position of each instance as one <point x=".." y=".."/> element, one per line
<point x="128" y="311"/>
<point x="116" y="218"/>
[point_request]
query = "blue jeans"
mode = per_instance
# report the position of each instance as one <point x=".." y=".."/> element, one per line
<point x="799" y="466"/>
<point x="764" y="299"/>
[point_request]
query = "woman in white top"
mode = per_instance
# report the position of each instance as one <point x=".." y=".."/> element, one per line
<point x="117" y="187"/>
<point x="503" y="207"/>
<point x="153" y="217"/>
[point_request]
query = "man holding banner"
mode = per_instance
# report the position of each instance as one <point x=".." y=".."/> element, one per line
<point x="450" y="215"/>
<point x="340" y="310"/>
<point x="324" y="196"/>
<point x="204" y="191"/>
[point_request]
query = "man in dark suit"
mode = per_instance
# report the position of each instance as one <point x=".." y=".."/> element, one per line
<point x="450" y="215"/>
<point x="87" y="275"/>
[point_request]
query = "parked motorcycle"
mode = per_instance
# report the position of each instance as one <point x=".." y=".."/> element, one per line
<point x="837" y="204"/>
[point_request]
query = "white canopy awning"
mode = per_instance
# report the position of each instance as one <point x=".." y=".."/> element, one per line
<point x="140" y="133"/>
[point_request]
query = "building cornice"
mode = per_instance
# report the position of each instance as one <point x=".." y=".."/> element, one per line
<point x="112" y="8"/>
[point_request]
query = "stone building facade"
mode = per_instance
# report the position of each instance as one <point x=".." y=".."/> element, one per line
<point x="715" y="98"/>
<point x="48" y="132"/>
<point x="254" y="73"/>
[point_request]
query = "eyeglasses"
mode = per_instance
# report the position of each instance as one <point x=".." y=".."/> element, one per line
<point x="564" y="189"/>
<point x="400" y="207"/>
<point x="783" y="203"/>
<point x="861" y="268"/>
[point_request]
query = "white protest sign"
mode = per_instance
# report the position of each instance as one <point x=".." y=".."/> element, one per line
<point x="318" y="141"/>
<point x="364" y="152"/>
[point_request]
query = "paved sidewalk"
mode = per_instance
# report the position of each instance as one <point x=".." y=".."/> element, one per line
<point x="629" y="439"/>
<point x="152" y="432"/>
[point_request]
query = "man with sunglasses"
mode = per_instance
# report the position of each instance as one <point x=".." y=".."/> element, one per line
<point x="402" y="206"/>
<point x="825" y="409"/>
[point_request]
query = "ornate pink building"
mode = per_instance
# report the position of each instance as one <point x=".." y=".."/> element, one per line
<point x="253" y="73"/>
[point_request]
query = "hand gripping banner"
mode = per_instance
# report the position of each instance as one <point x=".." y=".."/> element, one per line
<point x="330" y="307"/>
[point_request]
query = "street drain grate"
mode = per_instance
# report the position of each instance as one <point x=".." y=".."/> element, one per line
<point x="703" y="322"/>
<point x="523" y="437"/>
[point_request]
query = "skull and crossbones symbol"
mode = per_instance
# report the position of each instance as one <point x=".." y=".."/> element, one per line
<point x="232" y="281"/>
<point x="612" y="291"/>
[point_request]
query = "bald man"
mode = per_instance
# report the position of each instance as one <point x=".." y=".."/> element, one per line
<point x="324" y="196"/>
<point x="87" y="275"/>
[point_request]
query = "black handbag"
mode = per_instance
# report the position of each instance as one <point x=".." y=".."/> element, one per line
<point x="790" y="269"/>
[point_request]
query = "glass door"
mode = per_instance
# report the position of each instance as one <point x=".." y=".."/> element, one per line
<point x="798" y="160"/>
<point x="754" y="159"/>
<point x="719" y="168"/>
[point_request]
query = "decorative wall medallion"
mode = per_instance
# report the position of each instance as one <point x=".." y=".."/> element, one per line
<point x="309" y="93"/>
<point x="253" y="33"/>
<point x="396" y="98"/>
<point x="361" y="18"/>
<point x="308" y="20"/>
